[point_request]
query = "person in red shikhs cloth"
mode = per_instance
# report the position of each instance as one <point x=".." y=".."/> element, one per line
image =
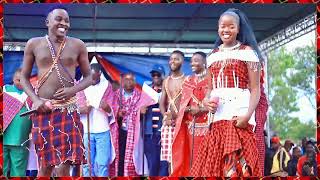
<point x="192" y="121"/>
<point x="229" y="148"/>
<point x="57" y="131"/>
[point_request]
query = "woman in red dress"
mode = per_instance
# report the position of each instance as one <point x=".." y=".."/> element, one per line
<point x="229" y="148"/>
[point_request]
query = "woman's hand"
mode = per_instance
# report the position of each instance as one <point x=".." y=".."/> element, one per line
<point x="241" y="121"/>
<point x="211" y="106"/>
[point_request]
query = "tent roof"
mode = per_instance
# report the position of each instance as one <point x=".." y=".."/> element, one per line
<point x="155" y="23"/>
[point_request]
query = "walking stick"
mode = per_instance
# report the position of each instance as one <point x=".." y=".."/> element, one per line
<point x="89" y="148"/>
<point x="143" y="122"/>
<point x="193" y="127"/>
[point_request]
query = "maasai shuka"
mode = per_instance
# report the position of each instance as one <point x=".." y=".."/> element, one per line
<point x="134" y="147"/>
<point x="224" y="139"/>
<point x="261" y="117"/>
<point x="167" y="131"/>
<point x="58" y="138"/>
<point x="11" y="107"/>
<point x="193" y="92"/>
<point x="58" y="135"/>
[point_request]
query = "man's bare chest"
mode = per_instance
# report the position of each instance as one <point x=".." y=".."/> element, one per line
<point x="67" y="58"/>
<point x="174" y="87"/>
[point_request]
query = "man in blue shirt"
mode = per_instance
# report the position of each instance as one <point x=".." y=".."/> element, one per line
<point x="153" y="123"/>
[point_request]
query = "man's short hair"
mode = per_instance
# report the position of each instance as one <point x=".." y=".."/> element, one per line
<point x="96" y="67"/>
<point x="297" y="147"/>
<point x="56" y="6"/>
<point x="178" y="52"/>
<point x="130" y="74"/>
<point x="202" y="54"/>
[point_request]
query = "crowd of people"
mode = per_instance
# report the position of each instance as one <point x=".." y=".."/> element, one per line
<point x="207" y="124"/>
<point x="291" y="159"/>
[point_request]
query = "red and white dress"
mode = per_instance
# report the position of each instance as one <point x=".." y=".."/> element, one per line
<point x="227" y="150"/>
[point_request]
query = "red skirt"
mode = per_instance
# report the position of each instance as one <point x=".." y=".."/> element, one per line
<point x="223" y="141"/>
<point x="58" y="138"/>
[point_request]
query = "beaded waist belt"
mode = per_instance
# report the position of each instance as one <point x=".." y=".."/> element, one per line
<point x="70" y="104"/>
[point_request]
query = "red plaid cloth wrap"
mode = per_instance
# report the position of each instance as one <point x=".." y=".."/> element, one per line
<point x="58" y="138"/>
<point x="224" y="139"/>
<point x="182" y="143"/>
<point x="261" y="117"/>
<point x="11" y="107"/>
<point x="167" y="132"/>
<point x="166" y="143"/>
<point x="133" y="155"/>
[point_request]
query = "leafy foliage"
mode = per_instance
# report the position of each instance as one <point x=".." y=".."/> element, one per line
<point x="291" y="76"/>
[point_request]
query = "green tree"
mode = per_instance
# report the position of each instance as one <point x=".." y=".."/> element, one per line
<point x="291" y="76"/>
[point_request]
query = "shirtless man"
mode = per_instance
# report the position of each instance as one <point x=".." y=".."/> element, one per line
<point x="169" y="106"/>
<point x="57" y="131"/>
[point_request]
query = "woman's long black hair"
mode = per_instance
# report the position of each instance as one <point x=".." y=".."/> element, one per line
<point x="245" y="35"/>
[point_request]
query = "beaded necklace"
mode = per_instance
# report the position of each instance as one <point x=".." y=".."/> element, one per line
<point x="54" y="65"/>
<point x="236" y="46"/>
<point x="175" y="78"/>
<point x="56" y="58"/>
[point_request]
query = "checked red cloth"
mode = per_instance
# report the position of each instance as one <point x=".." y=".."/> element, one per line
<point x="166" y="143"/>
<point x="11" y="106"/>
<point x="58" y="138"/>
<point x="222" y="140"/>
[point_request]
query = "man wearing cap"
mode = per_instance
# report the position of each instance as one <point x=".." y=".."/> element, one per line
<point x="280" y="159"/>
<point x="153" y="123"/>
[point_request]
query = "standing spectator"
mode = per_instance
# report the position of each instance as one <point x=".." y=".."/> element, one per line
<point x="153" y="122"/>
<point x="292" y="164"/>
<point x="288" y="144"/>
<point x="101" y="149"/>
<point x="304" y="144"/>
<point x="16" y="128"/>
<point x="268" y="160"/>
<point x="310" y="158"/>
<point x="280" y="159"/>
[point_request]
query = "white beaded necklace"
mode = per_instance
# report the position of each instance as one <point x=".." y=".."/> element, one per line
<point x="236" y="46"/>
<point x="175" y="78"/>
<point x="201" y="75"/>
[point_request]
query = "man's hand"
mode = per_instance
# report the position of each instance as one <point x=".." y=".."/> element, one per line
<point x="64" y="93"/>
<point x="121" y="113"/>
<point x="85" y="109"/>
<point x="40" y="106"/>
<point x="143" y="110"/>
<point x="168" y="119"/>
<point x="106" y="107"/>
<point x="194" y="110"/>
<point x="308" y="170"/>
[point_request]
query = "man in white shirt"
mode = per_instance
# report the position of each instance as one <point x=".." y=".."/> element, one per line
<point x="101" y="149"/>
